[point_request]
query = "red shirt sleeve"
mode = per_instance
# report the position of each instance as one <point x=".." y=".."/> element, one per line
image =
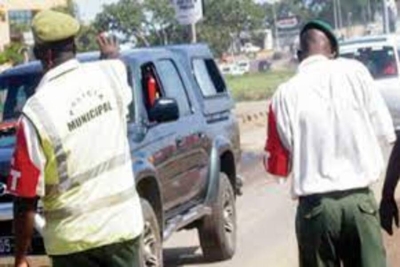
<point x="24" y="175"/>
<point x="278" y="158"/>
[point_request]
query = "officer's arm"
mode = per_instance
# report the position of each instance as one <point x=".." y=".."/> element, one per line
<point x="24" y="219"/>
<point x="278" y="157"/>
<point x="108" y="47"/>
<point x="378" y="111"/>
<point x="24" y="183"/>
<point x="277" y="160"/>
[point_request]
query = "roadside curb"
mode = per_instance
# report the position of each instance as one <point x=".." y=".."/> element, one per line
<point x="252" y="117"/>
<point x="252" y="111"/>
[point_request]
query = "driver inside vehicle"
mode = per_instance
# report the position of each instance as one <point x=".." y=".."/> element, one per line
<point x="390" y="67"/>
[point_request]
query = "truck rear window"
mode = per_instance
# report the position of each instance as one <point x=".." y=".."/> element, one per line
<point x="208" y="77"/>
<point x="14" y="92"/>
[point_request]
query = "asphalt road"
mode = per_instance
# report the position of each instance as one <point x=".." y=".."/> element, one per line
<point x="266" y="228"/>
<point x="265" y="217"/>
<point x="266" y="214"/>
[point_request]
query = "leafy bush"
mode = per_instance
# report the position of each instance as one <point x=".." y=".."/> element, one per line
<point x="12" y="54"/>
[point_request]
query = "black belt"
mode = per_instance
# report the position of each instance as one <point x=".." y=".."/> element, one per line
<point x="334" y="195"/>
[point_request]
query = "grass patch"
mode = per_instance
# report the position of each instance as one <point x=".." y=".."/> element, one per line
<point x="256" y="86"/>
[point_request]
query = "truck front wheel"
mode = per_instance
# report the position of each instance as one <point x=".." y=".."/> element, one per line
<point x="151" y="245"/>
<point x="217" y="231"/>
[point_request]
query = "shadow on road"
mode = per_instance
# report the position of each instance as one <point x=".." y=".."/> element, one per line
<point x="177" y="257"/>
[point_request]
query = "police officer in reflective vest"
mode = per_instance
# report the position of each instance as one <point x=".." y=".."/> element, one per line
<point x="73" y="152"/>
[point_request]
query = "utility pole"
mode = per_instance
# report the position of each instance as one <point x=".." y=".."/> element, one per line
<point x="369" y="16"/>
<point x="385" y="17"/>
<point x="194" y="33"/>
<point x="339" y="7"/>
<point x="335" y="14"/>
<point x="277" y="43"/>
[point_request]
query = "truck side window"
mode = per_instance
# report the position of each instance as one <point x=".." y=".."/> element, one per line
<point x="151" y="86"/>
<point x="208" y="77"/>
<point x="173" y="85"/>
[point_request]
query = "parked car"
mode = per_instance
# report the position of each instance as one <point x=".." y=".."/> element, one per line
<point x="263" y="65"/>
<point x="250" y="48"/>
<point x="380" y="54"/>
<point x="243" y="66"/>
<point x="231" y="69"/>
<point x="184" y="143"/>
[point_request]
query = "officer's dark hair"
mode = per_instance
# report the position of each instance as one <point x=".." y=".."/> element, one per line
<point x="63" y="46"/>
<point x="56" y="52"/>
<point x="57" y="48"/>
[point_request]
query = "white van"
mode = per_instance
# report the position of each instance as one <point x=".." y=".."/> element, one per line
<point x="231" y="69"/>
<point x="380" y="54"/>
<point x="243" y="66"/>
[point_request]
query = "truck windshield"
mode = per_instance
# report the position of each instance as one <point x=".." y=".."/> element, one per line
<point x="14" y="91"/>
<point x="380" y="61"/>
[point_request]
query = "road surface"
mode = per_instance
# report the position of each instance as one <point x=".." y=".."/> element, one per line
<point x="265" y="235"/>
<point x="265" y="215"/>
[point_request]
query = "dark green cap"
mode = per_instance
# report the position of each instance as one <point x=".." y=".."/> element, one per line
<point x="325" y="28"/>
<point x="51" y="26"/>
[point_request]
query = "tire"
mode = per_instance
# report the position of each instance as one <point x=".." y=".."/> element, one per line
<point x="217" y="232"/>
<point x="151" y="242"/>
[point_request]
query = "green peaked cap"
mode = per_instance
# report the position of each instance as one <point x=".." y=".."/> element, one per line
<point x="52" y="26"/>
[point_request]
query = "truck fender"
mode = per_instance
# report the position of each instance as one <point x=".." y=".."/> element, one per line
<point x="142" y="169"/>
<point x="145" y="171"/>
<point x="219" y="147"/>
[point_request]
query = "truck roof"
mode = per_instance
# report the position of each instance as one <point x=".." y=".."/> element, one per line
<point x="366" y="41"/>
<point x="194" y="50"/>
<point x="140" y="54"/>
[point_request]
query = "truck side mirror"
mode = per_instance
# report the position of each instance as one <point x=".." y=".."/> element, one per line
<point x="164" y="110"/>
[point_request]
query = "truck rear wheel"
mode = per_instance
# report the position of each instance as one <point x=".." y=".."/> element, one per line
<point x="217" y="232"/>
<point x="151" y="245"/>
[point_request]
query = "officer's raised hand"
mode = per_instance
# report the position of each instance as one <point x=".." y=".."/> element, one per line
<point x="108" y="46"/>
<point x="389" y="213"/>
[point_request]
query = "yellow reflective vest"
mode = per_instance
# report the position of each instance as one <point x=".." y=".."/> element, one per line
<point x="80" y="114"/>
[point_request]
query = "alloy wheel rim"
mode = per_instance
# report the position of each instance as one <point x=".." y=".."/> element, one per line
<point x="229" y="216"/>
<point x="150" y="247"/>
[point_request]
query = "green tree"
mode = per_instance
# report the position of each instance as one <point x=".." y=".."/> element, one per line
<point x="126" y="17"/>
<point x="86" y="39"/>
<point x="149" y="22"/>
<point x="224" y="20"/>
<point x="358" y="9"/>
<point x="69" y="8"/>
<point x="160" y="22"/>
<point x="12" y="54"/>
<point x="152" y="22"/>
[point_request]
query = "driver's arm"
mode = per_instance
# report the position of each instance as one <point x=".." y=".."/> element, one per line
<point x="26" y="182"/>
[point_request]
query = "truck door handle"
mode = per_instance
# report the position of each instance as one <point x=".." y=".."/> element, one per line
<point x="179" y="142"/>
<point x="201" y="135"/>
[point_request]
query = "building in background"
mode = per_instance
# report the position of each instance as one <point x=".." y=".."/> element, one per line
<point x="19" y="14"/>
